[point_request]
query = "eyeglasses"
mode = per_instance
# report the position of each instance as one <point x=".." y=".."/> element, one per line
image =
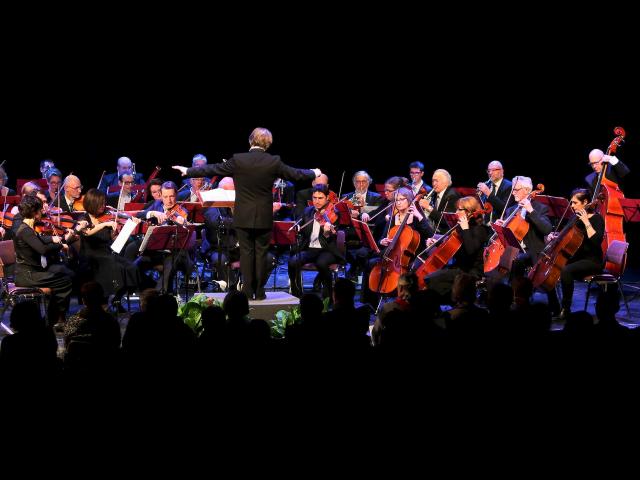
<point x="79" y="187"/>
<point x="389" y="191"/>
<point x="489" y="170"/>
<point x="595" y="163"/>
<point x="415" y="173"/>
<point x="518" y="189"/>
<point x="129" y="183"/>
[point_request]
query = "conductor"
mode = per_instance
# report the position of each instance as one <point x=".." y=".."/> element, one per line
<point x="253" y="173"/>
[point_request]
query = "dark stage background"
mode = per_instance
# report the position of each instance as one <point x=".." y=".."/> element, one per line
<point x="364" y="109"/>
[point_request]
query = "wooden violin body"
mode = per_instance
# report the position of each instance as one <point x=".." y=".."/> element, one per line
<point x="395" y="260"/>
<point x="439" y="256"/>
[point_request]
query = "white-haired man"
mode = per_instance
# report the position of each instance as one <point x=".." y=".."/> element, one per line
<point x="443" y="199"/>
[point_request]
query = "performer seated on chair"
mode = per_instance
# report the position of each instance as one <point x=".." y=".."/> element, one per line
<point x="163" y="212"/>
<point x="123" y="196"/>
<point x="31" y="264"/>
<point x="588" y="258"/>
<point x="318" y="243"/>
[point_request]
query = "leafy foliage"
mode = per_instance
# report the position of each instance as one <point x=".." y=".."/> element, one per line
<point x="191" y="311"/>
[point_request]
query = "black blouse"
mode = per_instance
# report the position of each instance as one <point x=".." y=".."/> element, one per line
<point x="30" y="247"/>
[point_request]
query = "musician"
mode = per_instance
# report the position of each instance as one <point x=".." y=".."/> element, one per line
<point x="537" y="215"/>
<point x="318" y="244"/>
<point x="468" y="258"/>
<point x="254" y="173"/>
<point x="45" y="165"/>
<point x="4" y="190"/>
<point x="198" y="161"/>
<point x="72" y="189"/>
<point x="163" y="212"/>
<point x="443" y="199"/>
<point x="54" y="180"/>
<point x="31" y="264"/>
<point x="616" y="170"/>
<point x="195" y="186"/>
<point x="154" y="191"/>
<point x="416" y="172"/>
<point x="496" y="191"/>
<point x="362" y="196"/>
<point x="303" y="197"/>
<point x="112" y="179"/>
<point x="379" y="219"/>
<point x="283" y="196"/>
<point x="588" y="258"/>
<point x="123" y="196"/>
<point x="114" y="273"/>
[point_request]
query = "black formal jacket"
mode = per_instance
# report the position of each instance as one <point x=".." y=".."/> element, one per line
<point x="111" y="180"/>
<point x="302" y="202"/>
<point x="615" y="173"/>
<point x="63" y="203"/>
<point x="253" y="173"/>
<point x="373" y="199"/>
<point x="328" y="243"/>
<point x="449" y="199"/>
<point x="497" y="200"/>
<point x="30" y="247"/>
<point x="539" y="227"/>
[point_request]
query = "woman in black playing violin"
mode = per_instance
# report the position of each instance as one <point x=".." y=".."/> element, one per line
<point x="113" y="272"/>
<point x="588" y="258"/>
<point x="318" y="245"/>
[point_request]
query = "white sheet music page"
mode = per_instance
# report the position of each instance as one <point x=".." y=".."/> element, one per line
<point x="123" y="236"/>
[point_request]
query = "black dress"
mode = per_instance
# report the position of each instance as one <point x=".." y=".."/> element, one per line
<point x="113" y="272"/>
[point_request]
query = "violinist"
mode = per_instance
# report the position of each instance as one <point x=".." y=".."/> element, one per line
<point x="588" y="258"/>
<point x="379" y="218"/>
<point x="114" y="273"/>
<point x="154" y="191"/>
<point x="441" y="199"/>
<point x="616" y="170"/>
<point x="4" y="190"/>
<point x="496" y="191"/>
<point x="537" y="216"/>
<point x="163" y="212"/>
<point x="54" y="181"/>
<point x="123" y="196"/>
<point x="318" y="242"/>
<point x="124" y="164"/>
<point x="32" y="269"/>
<point x="192" y="195"/>
<point x="303" y="197"/>
<point x="468" y="258"/>
<point x="71" y="193"/>
<point x="416" y="172"/>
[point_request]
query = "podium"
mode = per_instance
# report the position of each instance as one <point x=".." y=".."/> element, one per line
<point x="364" y="234"/>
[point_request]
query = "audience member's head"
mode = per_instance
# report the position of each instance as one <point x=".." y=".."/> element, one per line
<point x="25" y="317"/>
<point x="147" y="296"/>
<point x="236" y="305"/>
<point x="344" y="292"/>
<point x="464" y="289"/>
<point x="92" y="295"/>
<point x="310" y="307"/>
<point x="500" y="297"/>
<point x="213" y="318"/>
<point x="522" y="290"/>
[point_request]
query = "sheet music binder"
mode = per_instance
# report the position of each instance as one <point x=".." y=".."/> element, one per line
<point x="162" y="238"/>
<point x="506" y="237"/>
<point x="364" y="234"/>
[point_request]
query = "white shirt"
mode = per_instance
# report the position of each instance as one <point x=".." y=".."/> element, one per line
<point x="497" y="185"/>
<point x="314" y="241"/>
<point x="416" y="187"/>
<point x="123" y="199"/>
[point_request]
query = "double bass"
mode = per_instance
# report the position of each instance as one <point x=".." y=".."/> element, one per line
<point x="608" y="194"/>
<point x="519" y="226"/>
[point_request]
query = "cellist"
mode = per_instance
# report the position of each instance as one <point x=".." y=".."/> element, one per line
<point x="537" y="216"/>
<point x="616" y="171"/>
<point x="468" y="259"/>
<point x="588" y="258"/>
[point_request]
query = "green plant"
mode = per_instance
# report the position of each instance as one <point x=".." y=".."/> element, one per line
<point x="191" y="311"/>
<point x="284" y="318"/>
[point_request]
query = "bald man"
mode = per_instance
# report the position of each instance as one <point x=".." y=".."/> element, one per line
<point x="496" y="191"/>
<point x="71" y="191"/>
<point x="616" y="170"/>
<point x="123" y="165"/>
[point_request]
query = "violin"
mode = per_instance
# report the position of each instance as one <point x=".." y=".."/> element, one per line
<point x="47" y="226"/>
<point x="443" y="250"/>
<point x="327" y="215"/>
<point x="78" y="204"/>
<point x="177" y="211"/>
<point x="7" y="219"/>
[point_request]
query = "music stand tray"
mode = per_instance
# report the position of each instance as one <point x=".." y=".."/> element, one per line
<point x="164" y="237"/>
<point x="557" y="206"/>
<point x="450" y="218"/>
<point x="506" y="237"/>
<point x="283" y="234"/>
<point x="195" y="210"/>
<point x="631" y="209"/>
<point x="364" y="234"/>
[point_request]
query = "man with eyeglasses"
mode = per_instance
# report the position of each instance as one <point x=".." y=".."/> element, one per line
<point x="616" y="169"/>
<point x="123" y="196"/>
<point x="496" y="191"/>
<point x="72" y="191"/>
<point x="416" y="172"/>
<point x="112" y="179"/>
<point x="443" y="199"/>
<point x="54" y="180"/>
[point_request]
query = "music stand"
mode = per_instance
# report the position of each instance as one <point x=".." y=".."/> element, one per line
<point x="364" y="234"/>
<point x="133" y="206"/>
<point x="450" y="218"/>
<point x="467" y="191"/>
<point x="134" y="189"/>
<point x="10" y="200"/>
<point x="631" y="209"/>
<point x="283" y="235"/>
<point x="557" y="206"/>
<point x="168" y="237"/>
<point x="195" y="210"/>
<point x="506" y="237"/>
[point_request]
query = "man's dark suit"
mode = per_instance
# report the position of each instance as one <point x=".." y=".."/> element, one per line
<point x="253" y="173"/>
<point x="111" y="180"/>
<point x="615" y="173"/>
<point x="63" y="204"/>
<point x="303" y="197"/>
<point x="449" y="198"/>
<point x="497" y="200"/>
<point x="539" y="227"/>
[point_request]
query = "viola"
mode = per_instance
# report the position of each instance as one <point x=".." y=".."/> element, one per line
<point x="495" y="250"/>
<point x="608" y="193"/>
<point x="7" y="219"/>
<point x="78" y="204"/>
<point x="441" y="252"/>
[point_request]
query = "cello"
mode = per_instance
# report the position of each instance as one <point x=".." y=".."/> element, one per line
<point x="519" y="226"/>
<point x="396" y="258"/>
<point x="443" y="250"/>
<point x="608" y="194"/>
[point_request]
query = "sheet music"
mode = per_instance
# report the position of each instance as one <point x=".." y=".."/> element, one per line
<point x="123" y="236"/>
<point x="146" y="238"/>
<point x="218" y="195"/>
